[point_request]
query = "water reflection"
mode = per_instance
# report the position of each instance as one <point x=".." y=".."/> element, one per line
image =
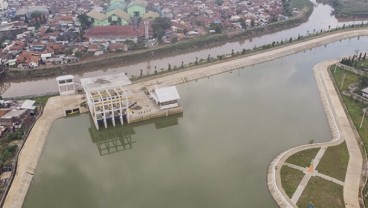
<point x="119" y="138"/>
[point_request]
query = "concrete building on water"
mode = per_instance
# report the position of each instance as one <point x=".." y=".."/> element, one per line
<point x="107" y="98"/>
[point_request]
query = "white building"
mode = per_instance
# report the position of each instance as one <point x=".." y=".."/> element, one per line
<point x="107" y="98"/>
<point x="3" y="5"/>
<point x="365" y="92"/>
<point x="166" y="98"/>
<point x="66" y="85"/>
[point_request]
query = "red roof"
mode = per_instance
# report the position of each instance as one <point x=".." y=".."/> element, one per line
<point x="114" y="30"/>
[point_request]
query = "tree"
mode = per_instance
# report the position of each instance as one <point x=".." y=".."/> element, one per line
<point x="364" y="82"/>
<point x="252" y="23"/>
<point x="85" y="21"/>
<point x="159" y="25"/>
<point x="26" y="20"/>
<point x="216" y="27"/>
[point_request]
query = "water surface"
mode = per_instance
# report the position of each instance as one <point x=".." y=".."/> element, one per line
<point x="215" y="155"/>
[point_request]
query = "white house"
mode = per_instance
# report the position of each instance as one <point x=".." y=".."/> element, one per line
<point x="166" y="98"/>
<point x="365" y="92"/>
<point x="66" y="84"/>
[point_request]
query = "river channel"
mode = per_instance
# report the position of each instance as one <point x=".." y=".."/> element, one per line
<point x="321" y="18"/>
<point x="215" y="155"/>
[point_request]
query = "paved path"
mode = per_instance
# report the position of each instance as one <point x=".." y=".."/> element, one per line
<point x="341" y="131"/>
<point x="29" y="155"/>
<point x="308" y="174"/>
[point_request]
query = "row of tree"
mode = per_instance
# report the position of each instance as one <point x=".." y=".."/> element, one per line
<point x="353" y="60"/>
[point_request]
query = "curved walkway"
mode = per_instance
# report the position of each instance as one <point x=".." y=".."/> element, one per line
<point x="32" y="149"/>
<point x="341" y="131"/>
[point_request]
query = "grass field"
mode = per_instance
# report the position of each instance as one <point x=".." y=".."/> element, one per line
<point x="290" y="179"/>
<point x="303" y="158"/>
<point x="349" y="8"/>
<point x="322" y="193"/>
<point x="335" y="162"/>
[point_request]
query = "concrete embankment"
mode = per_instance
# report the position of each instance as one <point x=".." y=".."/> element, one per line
<point x="341" y="131"/>
<point x="55" y="108"/>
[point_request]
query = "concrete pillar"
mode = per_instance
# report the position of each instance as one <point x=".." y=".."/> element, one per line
<point x="105" y="122"/>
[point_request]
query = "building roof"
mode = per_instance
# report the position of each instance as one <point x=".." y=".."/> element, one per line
<point x="167" y="94"/>
<point x="4" y="111"/>
<point x="96" y="15"/>
<point x="141" y="3"/>
<point x="114" y="30"/>
<point x="117" y="5"/>
<point x="28" y="104"/>
<point x="65" y="77"/>
<point x="118" y="12"/>
<point x="150" y="15"/>
<point x="365" y="90"/>
<point x="13" y="113"/>
<point x="105" y="82"/>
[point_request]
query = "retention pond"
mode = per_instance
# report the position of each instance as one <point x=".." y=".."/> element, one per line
<point x="215" y="155"/>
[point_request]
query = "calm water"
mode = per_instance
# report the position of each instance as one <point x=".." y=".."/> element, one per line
<point x="215" y="155"/>
<point x="321" y="18"/>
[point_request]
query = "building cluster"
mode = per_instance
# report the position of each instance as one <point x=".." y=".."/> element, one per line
<point x="15" y="114"/>
<point x="35" y="33"/>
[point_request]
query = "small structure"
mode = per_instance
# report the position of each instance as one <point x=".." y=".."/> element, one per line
<point x="107" y="98"/>
<point x="365" y="92"/>
<point x="166" y="98"/>
<point x="66" y="85"/>
<point x="12" y="116"/>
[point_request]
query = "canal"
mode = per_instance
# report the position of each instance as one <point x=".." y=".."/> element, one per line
<point x="215" y="155"/>
<point x="321" y="18"/>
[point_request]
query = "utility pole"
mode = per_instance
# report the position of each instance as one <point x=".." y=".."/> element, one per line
<point x="342" y="83"/>
<point x="361" y="122"/>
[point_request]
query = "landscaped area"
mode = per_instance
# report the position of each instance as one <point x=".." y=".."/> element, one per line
<point x="303" y="158"/>
<point x="335" y="162"/>
<point x="290" y="179"/>
<point x="322" y="193"/>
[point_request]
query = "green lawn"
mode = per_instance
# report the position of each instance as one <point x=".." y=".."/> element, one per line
<point x="303" y="158"/>
<point x="42" y="100"/>
<point x="290" y="179"/>
<point x="335" y="162"/>
<point x="350" y="78"/>
<point x="353" y="8"/>
<point x="300" y="4"/>
<point x="322" y="193"/>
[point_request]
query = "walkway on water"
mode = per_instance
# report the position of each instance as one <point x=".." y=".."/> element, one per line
<point x="341" y="131"/>
<point x="33" y="147"/>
